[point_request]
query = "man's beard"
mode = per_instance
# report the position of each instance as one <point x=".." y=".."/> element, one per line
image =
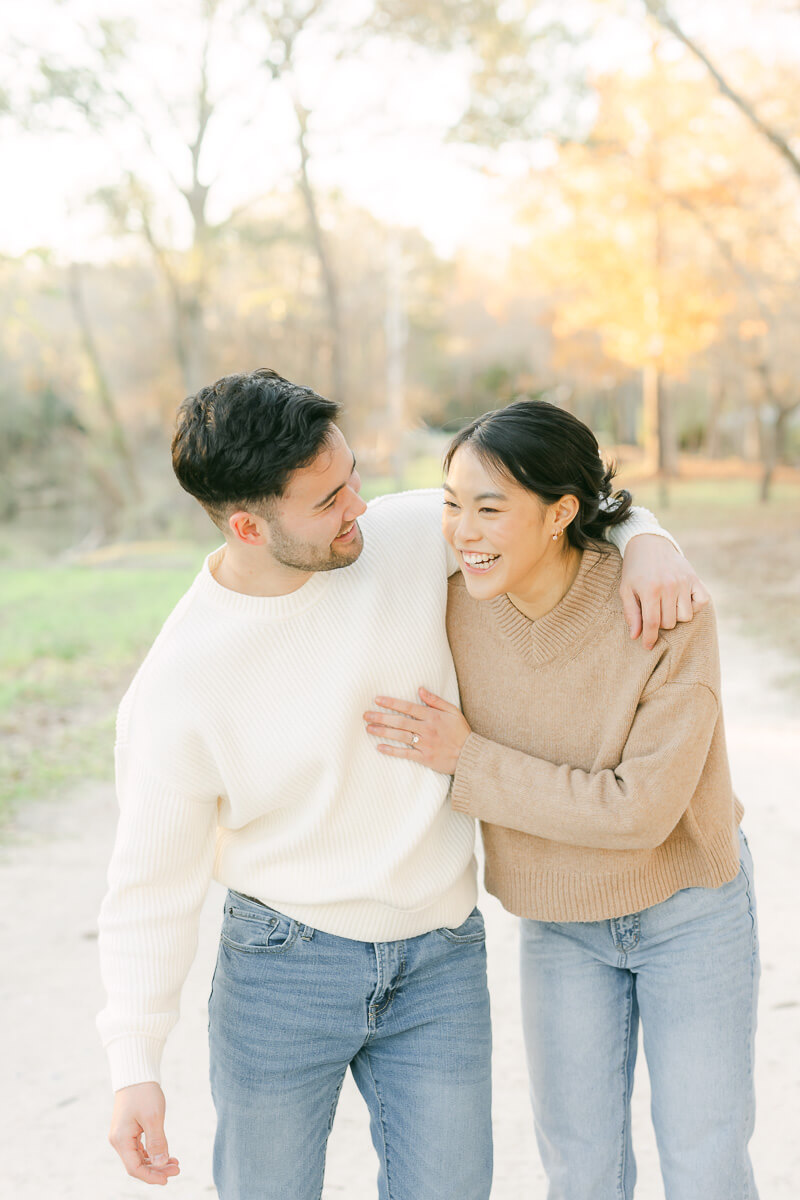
<point x="305" y="556"/>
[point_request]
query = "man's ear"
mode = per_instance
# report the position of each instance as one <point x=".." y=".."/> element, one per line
<point x="248" y="528"/>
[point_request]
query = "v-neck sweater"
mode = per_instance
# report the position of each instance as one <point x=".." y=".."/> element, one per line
<point x="597" y="768"/>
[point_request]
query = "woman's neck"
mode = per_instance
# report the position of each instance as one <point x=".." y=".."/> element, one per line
<point x="550" y="586"/>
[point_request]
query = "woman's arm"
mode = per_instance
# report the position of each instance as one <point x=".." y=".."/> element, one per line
<point x="634" y="804"/>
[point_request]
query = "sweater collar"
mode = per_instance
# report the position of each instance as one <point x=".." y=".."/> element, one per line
<point x="558" y="630"/>
<point x="263" y="607"/>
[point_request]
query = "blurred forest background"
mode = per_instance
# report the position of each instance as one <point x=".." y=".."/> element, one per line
<point x="422" y="210"/>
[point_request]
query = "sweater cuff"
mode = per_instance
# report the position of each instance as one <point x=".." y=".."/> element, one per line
<point x="134" y="1060"/>
<point x="641" y="520"/>
<point x="468" y="760"/>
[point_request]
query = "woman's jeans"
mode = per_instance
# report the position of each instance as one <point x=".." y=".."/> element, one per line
<point x="292" y="1008"/>
<point x="689" y="969"/>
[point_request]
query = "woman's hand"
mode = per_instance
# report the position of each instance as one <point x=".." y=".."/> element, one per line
<point x="433" y="731"/>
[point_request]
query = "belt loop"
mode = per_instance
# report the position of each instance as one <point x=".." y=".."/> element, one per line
<point x="306" y="933"/>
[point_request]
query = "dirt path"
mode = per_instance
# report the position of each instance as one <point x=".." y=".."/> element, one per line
<point x="55" y="1096"/>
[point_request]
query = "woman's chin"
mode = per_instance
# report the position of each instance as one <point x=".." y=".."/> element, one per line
<point x="481" y="587"/>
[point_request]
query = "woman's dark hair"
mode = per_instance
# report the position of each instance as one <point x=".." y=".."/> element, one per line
<point x="237" y="442"/>
<point x="552" y="454"/>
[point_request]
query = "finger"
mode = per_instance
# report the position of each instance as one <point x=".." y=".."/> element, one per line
<point x="392" y="722"/>
<point x="700" y="596"/>
<point x="431" y="700"/>
<point x="669" y="610"/>
<point x="134" y="1162"/>
<point x="402" y="706"/>
<point x="684" y="610"/>
<point x="155" y="1140"/>
<point x="651" y="621"/>
<point x="632" y="611"/>
<point x="399" y="735"/>
<point x="399" y="752"/>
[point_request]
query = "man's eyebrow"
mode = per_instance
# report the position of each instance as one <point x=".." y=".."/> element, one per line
<point x="482" y="496"/>
<point x="330" y="495"/>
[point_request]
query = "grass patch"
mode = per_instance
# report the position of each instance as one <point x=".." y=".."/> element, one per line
<point x="70" y="640"/>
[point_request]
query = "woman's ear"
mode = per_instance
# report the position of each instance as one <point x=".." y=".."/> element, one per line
<point x="566" y="509"/>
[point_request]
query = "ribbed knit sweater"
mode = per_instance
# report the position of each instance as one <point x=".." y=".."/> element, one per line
<point x="241" y="752"/>
<point x="597" y="768"/>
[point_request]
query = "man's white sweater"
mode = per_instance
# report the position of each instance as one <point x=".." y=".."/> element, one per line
<point x="241" y="753"/>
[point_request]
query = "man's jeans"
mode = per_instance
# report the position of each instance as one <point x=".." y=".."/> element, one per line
<point x="291" y="1008"/>
<point x="689" y="968"/>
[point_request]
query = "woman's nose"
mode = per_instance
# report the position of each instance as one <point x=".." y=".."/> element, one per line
<point x="465" y="531"/>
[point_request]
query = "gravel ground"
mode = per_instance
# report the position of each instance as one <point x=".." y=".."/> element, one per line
<point x="56" y="1098"/>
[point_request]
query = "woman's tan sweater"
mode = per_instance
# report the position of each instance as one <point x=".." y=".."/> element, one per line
<point x="597" y="768"/>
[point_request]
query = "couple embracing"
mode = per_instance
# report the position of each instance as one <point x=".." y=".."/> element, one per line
<point x="338" y="696"/>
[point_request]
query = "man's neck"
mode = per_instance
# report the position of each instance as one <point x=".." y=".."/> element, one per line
<point x="253" y="576"/>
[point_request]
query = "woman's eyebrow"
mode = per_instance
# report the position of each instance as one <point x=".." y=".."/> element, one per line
<point x="481" y="496"/>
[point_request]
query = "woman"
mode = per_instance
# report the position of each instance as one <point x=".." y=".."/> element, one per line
<point x="599" y="772"/>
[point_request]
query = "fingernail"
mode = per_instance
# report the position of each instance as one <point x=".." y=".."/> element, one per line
<point x="160" y="1160"/>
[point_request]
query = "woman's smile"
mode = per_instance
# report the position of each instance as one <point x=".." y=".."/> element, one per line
<point x="478" y="561"/>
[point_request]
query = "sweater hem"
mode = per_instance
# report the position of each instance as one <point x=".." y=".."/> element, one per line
<point x="368" y="921"/>
<point x="570" y="896"/>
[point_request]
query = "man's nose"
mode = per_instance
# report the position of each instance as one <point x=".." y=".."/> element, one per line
<point x="355" y="505"/>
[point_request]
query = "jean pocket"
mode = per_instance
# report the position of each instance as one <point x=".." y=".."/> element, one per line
<point x="472" y="930"/>
<point x="254" y="928"/>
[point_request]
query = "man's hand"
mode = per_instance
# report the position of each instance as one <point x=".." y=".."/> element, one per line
<point x="139" y="1112"/>
<point x="658" y="588"/>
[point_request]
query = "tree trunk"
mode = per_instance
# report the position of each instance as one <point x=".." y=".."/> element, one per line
<point x="712" y="438"/>
<point x="651" y="413"/>
<point x="782" y="424"/>
<point x="396" y="334"/>
<point x="667" y="444"/>
<point x="118" y="437"/>
<point x="330" y="282"/>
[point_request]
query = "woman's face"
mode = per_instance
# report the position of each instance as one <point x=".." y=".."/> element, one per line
<point x="501" y="532"/>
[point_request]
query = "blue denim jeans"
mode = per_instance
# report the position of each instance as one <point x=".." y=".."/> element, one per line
<point x="688" y="968"/>
<point x="292" y="1008"/>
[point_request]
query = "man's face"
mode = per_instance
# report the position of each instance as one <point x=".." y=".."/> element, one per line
<point x="314" y="524"/>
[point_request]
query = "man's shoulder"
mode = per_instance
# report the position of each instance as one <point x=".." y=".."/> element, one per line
<point x="406" y="506"/>
<point x="178" y="644"/>
<point x="405" y="520"/>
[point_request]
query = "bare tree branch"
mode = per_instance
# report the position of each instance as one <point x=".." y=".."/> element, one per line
<point x="658" y="9"/>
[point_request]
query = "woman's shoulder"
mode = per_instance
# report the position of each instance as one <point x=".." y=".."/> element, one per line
<point x="692" y="649"/>
<point x="686" y="653"/>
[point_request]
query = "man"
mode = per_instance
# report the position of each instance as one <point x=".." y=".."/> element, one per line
<point x="350" y="936"/>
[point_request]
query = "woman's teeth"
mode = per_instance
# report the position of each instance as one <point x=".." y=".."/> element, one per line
<point x="479" y="562"/>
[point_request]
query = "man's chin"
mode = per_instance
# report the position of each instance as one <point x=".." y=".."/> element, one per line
<point x="349" y="551"/>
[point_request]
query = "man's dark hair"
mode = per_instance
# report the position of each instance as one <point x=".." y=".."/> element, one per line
<point x="237" y="442"/>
